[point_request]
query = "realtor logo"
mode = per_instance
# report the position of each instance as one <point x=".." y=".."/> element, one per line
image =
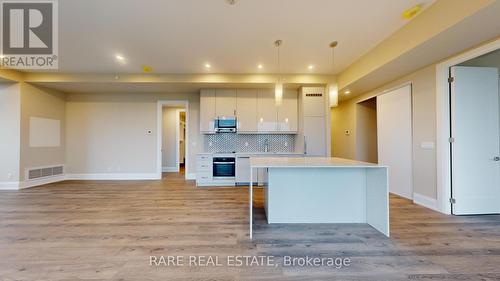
<point x="29" y="34"/>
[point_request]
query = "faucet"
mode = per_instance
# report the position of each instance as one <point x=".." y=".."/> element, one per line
<point x="266" y="145"/>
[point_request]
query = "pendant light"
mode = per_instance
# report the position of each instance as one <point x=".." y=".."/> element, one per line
<point x="278" y="87"/>
<point x="333" y="91"/>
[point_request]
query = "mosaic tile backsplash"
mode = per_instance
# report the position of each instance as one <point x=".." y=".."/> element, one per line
<point x="229" y="142"/>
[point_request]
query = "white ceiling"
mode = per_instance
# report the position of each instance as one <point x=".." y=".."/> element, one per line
<point x="180" y="36"/>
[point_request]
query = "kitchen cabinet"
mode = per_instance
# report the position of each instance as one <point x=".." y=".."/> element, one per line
<point x="207" y="110"/>
<point x="266" y="111"/>
<point x="203" y="169"/>
<point x="225" y="102"/>
<point x="314" y="136"/>
<point x="243" y="170"/>
<point x="246" y="109"/>
<point x="288" y="112"/>
<point x="314" y="101"/>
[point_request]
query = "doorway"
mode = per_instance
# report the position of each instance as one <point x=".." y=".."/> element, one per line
<point x="475" y="136"/>
<point x="366" y="131"/>
<point x="173" y="128"/>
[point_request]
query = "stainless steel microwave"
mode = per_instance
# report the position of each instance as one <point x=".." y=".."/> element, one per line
<point x="225" y="125"/>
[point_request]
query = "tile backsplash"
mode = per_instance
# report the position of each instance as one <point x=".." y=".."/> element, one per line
<point x="229" y="142"/>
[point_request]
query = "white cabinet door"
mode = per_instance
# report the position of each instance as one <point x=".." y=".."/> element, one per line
<point x="288" y="112"/>
<point x="313" y="101"/>
<point x="314" y="134"/>
<point x="207" y="110"/>
<point x="225" y="102"/>
<point x="243" y="170"/>
<point x="267" y="114"/>
<point x="246" y="109"/>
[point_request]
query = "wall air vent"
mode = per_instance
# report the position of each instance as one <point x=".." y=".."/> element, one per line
<point x="45" y="172"/>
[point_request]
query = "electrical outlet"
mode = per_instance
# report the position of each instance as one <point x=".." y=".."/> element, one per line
<point x="9" y="176"/>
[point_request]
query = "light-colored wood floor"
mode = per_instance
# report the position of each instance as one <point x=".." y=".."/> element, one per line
<point x="78" y="230"/>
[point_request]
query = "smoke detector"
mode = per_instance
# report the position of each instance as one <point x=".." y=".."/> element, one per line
<point x="231" y="2"/>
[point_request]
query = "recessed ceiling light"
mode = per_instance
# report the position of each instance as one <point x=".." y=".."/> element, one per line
<point x="260" y="66"/>
<point x="347" y="92"/>
<point x="2" y="56"/>
<point x="310" y="67"/>
<point x="120" y="58"/>
<point x="207" y="65"/>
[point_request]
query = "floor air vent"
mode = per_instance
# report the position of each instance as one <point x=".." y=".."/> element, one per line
<point x="46" y="172"/>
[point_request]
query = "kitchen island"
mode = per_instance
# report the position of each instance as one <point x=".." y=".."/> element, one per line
<point x="323" y="190"/>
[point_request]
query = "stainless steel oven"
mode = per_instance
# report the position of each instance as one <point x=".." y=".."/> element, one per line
<point x="224" y="167"/>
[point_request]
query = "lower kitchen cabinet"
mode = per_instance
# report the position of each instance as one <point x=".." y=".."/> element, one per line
<point x="243" y="170"/>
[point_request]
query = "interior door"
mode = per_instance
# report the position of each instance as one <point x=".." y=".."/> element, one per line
<point x="475" y="146"/>
<point x="394" y="139"/>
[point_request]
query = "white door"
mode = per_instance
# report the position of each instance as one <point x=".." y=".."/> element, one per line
<point x="475" y="129"/>
<point x="394" y="139"/>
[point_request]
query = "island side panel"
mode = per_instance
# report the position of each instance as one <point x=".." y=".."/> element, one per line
<point x="316" y="195"/>
<point x="377" y="199"/>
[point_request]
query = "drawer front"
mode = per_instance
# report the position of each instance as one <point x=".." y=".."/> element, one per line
<point x="204" y="165"/>
<point x="204" y="157"/>
<point x="203" y="177"/>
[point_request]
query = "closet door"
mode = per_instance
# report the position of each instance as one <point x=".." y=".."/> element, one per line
<point x="394" y="134"/>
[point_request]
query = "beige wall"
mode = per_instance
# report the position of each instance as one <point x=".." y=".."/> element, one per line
<point x="424" y="124"/>
<point x="10" y="112"/>
<point x="44" y="103"/>
<point x="106" y="133"/>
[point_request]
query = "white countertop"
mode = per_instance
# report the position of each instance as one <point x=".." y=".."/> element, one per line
<point x="308" y="162"/>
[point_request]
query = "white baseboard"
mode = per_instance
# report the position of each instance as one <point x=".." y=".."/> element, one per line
<point x="191" y="176"/>
<point x="9" y="185"/>
<point x="425" y="201"/>
<point x="38" y="182"/>
<point x="122" y="176"/>
<point x="169" y="169"/>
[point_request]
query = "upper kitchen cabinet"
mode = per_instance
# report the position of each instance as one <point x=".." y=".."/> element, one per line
<point x="246" y="109"/>
<point x="225" y="102"/>
<point x="267" y="114"/>
<point x="288" y="112"/>
<point x="314" y="101"/>
<point x="207" y="110"/>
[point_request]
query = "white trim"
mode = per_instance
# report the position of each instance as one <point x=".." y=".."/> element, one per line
<point x="443" y="122"/>
<point x="425" y="201"/>
<point x="170" y="169"/>
<point x="41" y="181"/>
<point x="9" y="185"/>
<point x="191" y="176"/>
<point x="159" y="129"/>
<point x="123" y="176"/>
